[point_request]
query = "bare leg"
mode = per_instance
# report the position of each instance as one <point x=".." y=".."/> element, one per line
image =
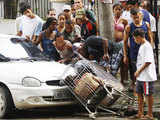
<point x="140" y="108"/>
<point x="150" y="105"/>
<point x="124" y="72"/>
<point x="140" y="105"/>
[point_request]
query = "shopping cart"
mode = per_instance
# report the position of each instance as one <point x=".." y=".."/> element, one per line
<point x="92" y="85"/>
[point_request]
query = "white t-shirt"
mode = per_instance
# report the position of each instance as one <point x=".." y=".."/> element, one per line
<point x="30" y="27"/>
<point x="152" y="22"/>
<point x="127" y="15"/>
<point x="18" y="22"/>
<point x="145" y="54"/>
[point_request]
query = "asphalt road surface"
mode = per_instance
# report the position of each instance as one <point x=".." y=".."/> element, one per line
<point x="78" y="113"/>
<point x="60" y="114"/>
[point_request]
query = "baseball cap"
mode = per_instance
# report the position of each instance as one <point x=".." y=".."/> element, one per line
<point x="80" y="13"/>
<point x="66" y="7"/>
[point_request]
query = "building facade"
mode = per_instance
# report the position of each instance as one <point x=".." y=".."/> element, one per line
<point x="39" y="7"/>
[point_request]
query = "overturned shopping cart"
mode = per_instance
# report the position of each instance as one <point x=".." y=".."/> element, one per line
<point x="93" y="87"/>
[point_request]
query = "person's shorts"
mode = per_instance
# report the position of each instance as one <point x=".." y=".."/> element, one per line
<point x="146" y="88"/>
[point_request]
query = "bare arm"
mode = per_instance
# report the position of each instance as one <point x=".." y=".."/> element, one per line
<point x="105" y="47"/>
<point x="19" y="33"/>
<point x="153" y="35"/>
<point x="69" y="55"/>
<point x="137" y="73"/>
<point x="123" y="21"/>
<point x="125" y="45"/>
<point x="38" y="41"/>
<point x="34" y="38"/>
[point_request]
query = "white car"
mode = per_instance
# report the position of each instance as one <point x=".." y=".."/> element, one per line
<point x="27" y="80"/>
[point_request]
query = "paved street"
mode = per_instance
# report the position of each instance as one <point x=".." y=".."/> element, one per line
<point x="62" y="114"/>
<point x="77" y="113"/>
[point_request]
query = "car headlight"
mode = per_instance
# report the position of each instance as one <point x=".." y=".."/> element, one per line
<point x="31" y="82"/>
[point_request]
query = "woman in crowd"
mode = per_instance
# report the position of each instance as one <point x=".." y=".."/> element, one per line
<point x="72" y="32"/>
<point x="61" y="22"/>
<point x="64" y="48"/>
<point x="119" y="23"/>
<point x="46" y="38"/>
<point x="119" y="26"/>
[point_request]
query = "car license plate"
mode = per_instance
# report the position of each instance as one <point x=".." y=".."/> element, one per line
<point x="62" y="94"/>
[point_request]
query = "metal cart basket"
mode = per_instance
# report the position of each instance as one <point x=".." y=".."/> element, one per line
<point x="91" y="85"/>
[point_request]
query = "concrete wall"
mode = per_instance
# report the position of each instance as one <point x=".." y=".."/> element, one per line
<point x="58" y="6"/>
<point x="7" y="26"/>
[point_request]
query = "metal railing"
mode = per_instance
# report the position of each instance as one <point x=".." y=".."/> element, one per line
<point x="39" y="7"/>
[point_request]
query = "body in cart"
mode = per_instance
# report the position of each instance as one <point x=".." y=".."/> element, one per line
<point x="93" y="87"/>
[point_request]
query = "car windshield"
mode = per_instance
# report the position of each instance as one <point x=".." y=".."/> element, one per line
<point x="17" y="48"/>
<point x="32" y="50"/>
<point x="10" y="50"/>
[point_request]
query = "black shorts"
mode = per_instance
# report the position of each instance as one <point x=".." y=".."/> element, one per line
<point x="146" y="88"/>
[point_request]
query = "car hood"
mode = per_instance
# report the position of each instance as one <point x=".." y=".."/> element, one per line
<point x="41" y="70"/>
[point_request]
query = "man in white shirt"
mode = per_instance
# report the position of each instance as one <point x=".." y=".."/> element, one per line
<point x="30" y="24"/>
<point x="145" y="74"/>
<point x="18" y="22"/>
<point x="146" y="5"/>
<point x="135" y="4"/>
<point x="126" y="13"/>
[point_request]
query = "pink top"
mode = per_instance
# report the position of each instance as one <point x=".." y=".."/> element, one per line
<point x="118" y="26"/>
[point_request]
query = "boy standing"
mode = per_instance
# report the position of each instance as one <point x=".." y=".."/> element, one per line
<point x="145" y="74"/>
<point x="130" y="47"/>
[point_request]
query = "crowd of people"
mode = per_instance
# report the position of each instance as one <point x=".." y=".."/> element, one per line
<point x="76" y="28"/>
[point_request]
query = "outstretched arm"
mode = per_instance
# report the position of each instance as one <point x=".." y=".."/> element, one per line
<point x="36" y="42"/>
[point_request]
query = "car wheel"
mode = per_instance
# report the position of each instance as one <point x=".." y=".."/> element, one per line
<point x="5" y="102"/>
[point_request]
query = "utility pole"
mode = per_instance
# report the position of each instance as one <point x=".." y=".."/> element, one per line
<point x="106" y="19"/>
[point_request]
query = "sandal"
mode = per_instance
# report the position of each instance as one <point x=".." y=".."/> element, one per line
<point x="147" y="117"/>
<point x="137" y="116"/>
